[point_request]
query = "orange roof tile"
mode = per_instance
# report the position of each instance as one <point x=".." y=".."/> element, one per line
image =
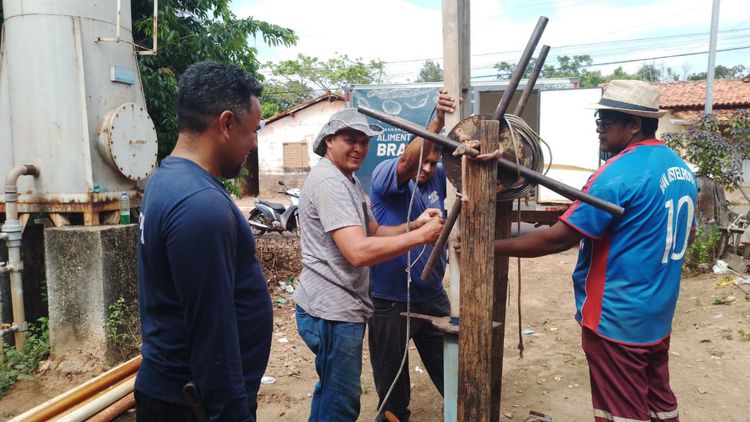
<point x="695" y="114"/>
<point x="690" y="94"/>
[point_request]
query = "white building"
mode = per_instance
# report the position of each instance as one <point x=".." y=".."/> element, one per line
<point x="285" y="144"/>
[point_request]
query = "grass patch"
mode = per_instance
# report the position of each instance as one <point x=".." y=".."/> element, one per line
<point x="17" y="366"/>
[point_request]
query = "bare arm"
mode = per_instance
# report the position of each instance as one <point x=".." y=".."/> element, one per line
<point x="409" y="161"/>
<point x="557" y="238"/>
<point x="361" y="250"/>
<point x="377" y="230"/>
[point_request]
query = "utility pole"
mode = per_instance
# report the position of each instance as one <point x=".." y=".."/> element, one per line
<point x="712" y="59"/>
<point x="456" y="79"/>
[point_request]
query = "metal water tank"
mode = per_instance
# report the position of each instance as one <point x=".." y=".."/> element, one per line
<point x="72" y="103"/>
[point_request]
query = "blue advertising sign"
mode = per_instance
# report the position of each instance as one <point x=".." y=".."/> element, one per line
<point x="415" y="104"/>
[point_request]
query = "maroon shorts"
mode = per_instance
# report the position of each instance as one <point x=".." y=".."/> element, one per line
<point x="629" y="383"/>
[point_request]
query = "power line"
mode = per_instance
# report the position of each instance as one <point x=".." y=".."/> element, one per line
<point x="695" y="34"/>
<point x="642" y="59"/>
<point x="729" y="43"/>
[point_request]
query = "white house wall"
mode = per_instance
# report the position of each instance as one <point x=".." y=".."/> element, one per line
<point x="302" y="126"/>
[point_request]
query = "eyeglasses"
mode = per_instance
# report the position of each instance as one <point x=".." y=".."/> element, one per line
<point x="603" y="125"/>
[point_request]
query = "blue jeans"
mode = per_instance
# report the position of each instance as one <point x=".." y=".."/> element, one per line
<point x="338" y="361"/>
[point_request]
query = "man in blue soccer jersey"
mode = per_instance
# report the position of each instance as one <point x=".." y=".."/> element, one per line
<point x="628" y="273"/>
<point x="392" y="185"/>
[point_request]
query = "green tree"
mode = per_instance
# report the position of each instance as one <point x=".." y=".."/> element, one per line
<point x="717" y="147"/>
<point x="649" y="73"/>
<point x="281" y="97"/>
<point x="192" y="31"/>
<point x="294" y="81"/>
<point x="721" y="72"/>
<point x="567" y="67"/>
<point x="619" y="73"/>
<point x="331" y="75"/>
<point x="430" y="72"/>
<point x="590" y="79"/>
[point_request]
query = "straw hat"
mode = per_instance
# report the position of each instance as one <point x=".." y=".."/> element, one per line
<point x="631" y="97"/>
<point x="347" y="118"/>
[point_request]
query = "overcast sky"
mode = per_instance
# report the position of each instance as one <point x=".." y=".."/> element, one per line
<point x="404" y="33"/>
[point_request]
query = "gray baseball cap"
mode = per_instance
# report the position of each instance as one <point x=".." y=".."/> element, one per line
<point x="347" y="118"/>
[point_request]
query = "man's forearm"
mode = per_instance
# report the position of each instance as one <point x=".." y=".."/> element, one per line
<point x="409" y="161"/>
<point x="395" y="230"/>
<point x="375" y="249"/>
<point x="541" y="242"/>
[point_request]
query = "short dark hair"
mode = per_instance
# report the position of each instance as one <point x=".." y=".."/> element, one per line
<point x="648" y="124"/>
<point x="207" y="89"/>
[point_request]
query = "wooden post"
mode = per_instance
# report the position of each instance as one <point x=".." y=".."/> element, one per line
<point x="475" y="341"/>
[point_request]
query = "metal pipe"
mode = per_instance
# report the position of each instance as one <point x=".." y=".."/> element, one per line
<point x="520" y="69"/>
<point x="552" y="184"/>
<point x="116" y="409"/>
<point x="532" y="81"/>
<point x="156" y="20"/>
<point x="100" y="402"/>
<point x="561" y="188"/>
<point x="117" y="25"/>
<point x="72" y="397"/>
<point x="417" y="130"/>
<point x="13" y="230"/>
<point x="119" y="12"/>
<point x="154" y="37"/>
<point x="437" y="250"/>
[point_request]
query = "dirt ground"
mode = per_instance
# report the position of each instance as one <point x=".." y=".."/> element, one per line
<point x="710" y="357"/>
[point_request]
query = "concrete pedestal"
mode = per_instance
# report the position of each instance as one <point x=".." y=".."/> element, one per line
<point x="89" y="269"/>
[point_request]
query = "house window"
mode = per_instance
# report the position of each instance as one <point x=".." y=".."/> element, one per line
<point x="296" y="157"/>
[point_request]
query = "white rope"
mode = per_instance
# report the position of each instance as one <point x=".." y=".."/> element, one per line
<point x="408" y="285"/>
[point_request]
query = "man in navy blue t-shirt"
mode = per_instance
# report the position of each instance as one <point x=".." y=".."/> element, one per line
<point x="206" y="314"/>
<point x="393" y="182"/>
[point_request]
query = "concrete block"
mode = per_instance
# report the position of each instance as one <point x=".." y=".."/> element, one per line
<point x="89" y="269"/>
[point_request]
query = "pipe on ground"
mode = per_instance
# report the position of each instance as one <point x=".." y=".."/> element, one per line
<point x="77" y="395"/>
<point x="100" y="402"/>
<point x="118" y="408"/>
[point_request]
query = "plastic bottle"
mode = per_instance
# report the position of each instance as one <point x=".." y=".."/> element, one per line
<point x="124" y="208"/>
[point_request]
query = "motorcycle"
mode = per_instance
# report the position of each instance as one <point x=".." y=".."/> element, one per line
<point x="270" y="216"/>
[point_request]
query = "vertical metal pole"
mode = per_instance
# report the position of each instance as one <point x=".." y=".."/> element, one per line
<point x="456" y="77"/>
<point x="456" y="74"/>
<point x="712" y="59"/>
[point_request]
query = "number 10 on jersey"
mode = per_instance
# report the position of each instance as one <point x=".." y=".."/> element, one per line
<point x="673" y="230"/>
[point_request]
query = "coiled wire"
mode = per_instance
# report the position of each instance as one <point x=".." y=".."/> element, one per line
<point x="520" y="129"/>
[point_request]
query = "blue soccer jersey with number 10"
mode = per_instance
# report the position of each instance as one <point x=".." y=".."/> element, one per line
<point x="628" y="273"/>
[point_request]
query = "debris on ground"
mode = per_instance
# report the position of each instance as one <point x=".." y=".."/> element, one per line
<point x="281" y="261"/>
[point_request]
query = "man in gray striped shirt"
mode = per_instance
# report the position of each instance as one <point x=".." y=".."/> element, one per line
<point x="340" y="238"/>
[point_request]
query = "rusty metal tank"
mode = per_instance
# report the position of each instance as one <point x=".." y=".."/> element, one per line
<point x="72" y="103"/>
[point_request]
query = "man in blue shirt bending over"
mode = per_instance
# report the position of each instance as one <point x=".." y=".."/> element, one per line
<point x="393" y="182"/>
<point x="206" y="314"/>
